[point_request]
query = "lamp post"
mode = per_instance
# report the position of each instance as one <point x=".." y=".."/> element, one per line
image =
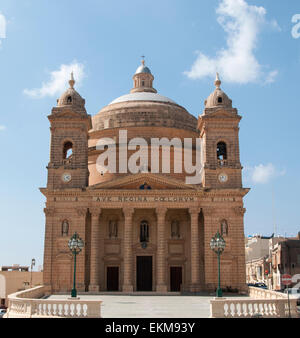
<point x="217" y="244"/>
<point x="32" y="265"/>
<point x="75" y="245"/>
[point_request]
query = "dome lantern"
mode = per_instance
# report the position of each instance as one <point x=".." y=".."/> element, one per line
<point x="143" y="79"/>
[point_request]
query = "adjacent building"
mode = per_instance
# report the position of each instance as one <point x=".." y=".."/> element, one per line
<point x="16" y="278"/>
<point x="268" y="258"/>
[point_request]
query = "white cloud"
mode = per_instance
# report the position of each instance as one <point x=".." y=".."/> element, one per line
<point x="262" y="174"/>
<point x="237" y="63"/>
<point x="58" y="82"/>
<point x="2" y="27"/>
<point x="270" y="78"/>
<point x="2" y="127"/>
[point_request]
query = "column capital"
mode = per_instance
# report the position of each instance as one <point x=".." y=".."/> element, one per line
<point x="81" y="211"/>
<point x="49" y="211"/>
<point x="161" y="211"/>
<point x="208" y="211"/>
<point x="240" y="211"/>
<point x="194" y="211"/>
<point x="128" y="212"/>
<point x="95" y="211"/>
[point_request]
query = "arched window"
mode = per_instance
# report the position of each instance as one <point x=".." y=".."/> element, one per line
<point x="144" y="232"/>
<point x="224" y="227"/>
<point x="221" y="151"/>
<point x="69" y="99"/>
<point x="65" y="228"/>
<point x="113" y="229"/>
<point x="68" y="150"/>
<point x="175" y="229"/>
<point x="220" y="100"/>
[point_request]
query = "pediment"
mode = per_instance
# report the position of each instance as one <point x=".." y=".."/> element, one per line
<point x="135" y="181"/>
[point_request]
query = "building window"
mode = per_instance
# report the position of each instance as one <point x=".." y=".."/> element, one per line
<point x="145" y="186"/>
<point x="143" y="83"/>
<point x="144" y="232"/>
<point x="221" y="151"/>
<point x="69" y="99"/>
<point x="220" y="100"/>
<point x="68" y="150"/>
<point x="224" y="227"/>
<point x="113" y="229"/>
<point x="175" y="229"/>
<point x="65" y="228"/>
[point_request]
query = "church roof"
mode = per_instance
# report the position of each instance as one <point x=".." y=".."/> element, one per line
<point x="143" y="96"/>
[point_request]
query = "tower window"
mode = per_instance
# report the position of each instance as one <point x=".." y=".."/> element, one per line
<point x="69" y="99"/>
<point x="220" y="100"/>
<point x="221" y="151"/>
<point x="68" y="150"/>
<point x="144" y="232"/>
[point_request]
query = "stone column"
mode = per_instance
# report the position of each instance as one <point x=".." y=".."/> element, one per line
<point x="209" y="256"/>
<point x="161" y="285"/>
<point x="127" y="250"/>
<point x="48" y="244"/>
<point x="195" y="250"/>
<point x="80" y="266"/>
<point x="95" y="243"/>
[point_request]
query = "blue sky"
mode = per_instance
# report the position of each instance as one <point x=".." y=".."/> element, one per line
<point x="248" y="41"/>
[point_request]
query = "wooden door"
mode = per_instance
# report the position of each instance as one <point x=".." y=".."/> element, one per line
<point x="144" y="273"/>
<point x="175" y="278"/>
<point x="112" y="280"/>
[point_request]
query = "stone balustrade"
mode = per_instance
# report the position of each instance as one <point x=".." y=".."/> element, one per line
<point x="21" y="306"/>
<point x="258" y="293"/>
<point x="261" y="303"/>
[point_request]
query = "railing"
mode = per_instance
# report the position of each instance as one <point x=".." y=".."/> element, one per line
<point x="261" y="303"/>
<point x="265" y="294"/>
<point x="19" y="306"/>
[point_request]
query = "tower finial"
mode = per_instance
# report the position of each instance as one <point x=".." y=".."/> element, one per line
<point x="72" y="81"/>
<point x="143" y="60"/>
<point x="217" y="81"/>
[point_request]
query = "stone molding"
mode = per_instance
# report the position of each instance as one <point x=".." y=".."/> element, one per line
<point x="49" y="211"/>
<point x="240" y="211"/>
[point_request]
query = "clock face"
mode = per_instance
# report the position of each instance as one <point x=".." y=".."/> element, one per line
<point x="223" y="178"/>
<point x="66" y="177"/>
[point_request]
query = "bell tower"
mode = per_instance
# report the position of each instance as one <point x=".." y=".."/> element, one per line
<point x="70" y="123"/>
<point x="219" y="131"/>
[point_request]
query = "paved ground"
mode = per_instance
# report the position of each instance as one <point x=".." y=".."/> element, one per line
<point x="119" y="306"/>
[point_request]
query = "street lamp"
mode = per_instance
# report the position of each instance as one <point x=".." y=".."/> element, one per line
<point x="32" y="265"/>
<point x="75" y="244"/>
<point x="217" y="244"/>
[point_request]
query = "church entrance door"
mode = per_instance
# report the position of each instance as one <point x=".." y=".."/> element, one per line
<point x="112" y="280"/>
<point x="175" y="278"/>
<point x="144" y="273"/>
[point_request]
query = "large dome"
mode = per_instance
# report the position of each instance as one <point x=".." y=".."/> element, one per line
<point x="143" y="107"/>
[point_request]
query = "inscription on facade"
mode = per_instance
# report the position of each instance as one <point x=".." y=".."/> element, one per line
<point x="144" y="199"/>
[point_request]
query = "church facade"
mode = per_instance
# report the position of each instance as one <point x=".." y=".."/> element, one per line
<point x="148" y="230"/>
